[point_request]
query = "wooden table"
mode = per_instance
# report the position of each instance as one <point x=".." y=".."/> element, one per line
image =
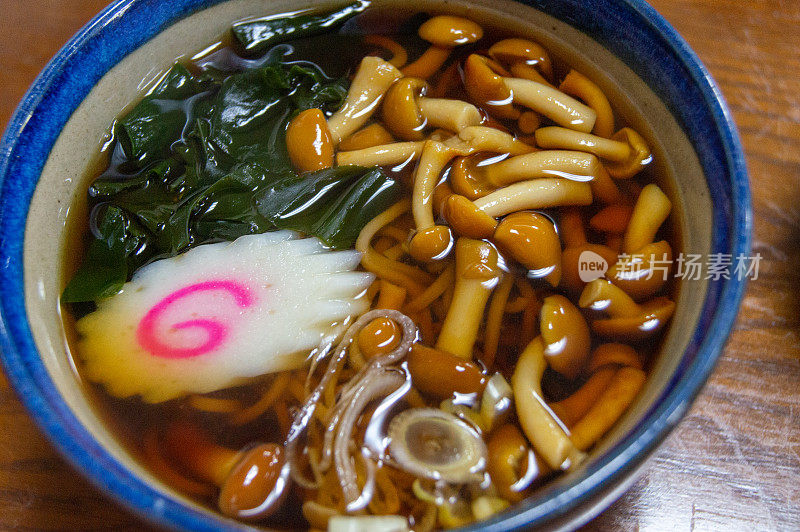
<point x="732" y="464"/>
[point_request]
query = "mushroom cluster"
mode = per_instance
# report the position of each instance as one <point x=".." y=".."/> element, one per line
<point x="496" y="353"/>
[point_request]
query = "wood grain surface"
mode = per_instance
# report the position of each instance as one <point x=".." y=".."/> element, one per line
<point x="732" y="464"/>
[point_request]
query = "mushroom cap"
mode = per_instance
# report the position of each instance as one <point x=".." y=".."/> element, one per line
<point x="510" y="51"/>
<point x="468" y="178"/>
<point x="449" y="31"/>
<point x="440" y="375"/>
<point x="440" y="195"/>
<point x="379" y="337"/>
<point x="477" y="260"/>
<point x="565" y="335"/>
<point x="640" y="155"/>
<point x="655" y="314"/>
<point x="532" y="240"/>
<point x="488" y="89"/>
<point x="309" y="141"/>
<point x="401" y="113"/>
<point x="430" y="443"/>
<point x="256" y="486"/>
<point x="642" y="274"/>
<point x="467" y="219"/>
<point x="432" y="243"/>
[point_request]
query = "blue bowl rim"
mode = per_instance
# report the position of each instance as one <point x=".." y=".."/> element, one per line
<point x="30" y="379"/>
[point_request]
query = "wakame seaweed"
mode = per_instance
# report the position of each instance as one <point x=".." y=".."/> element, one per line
<point x="203" y="158"/>
<point x="256" y="35"/>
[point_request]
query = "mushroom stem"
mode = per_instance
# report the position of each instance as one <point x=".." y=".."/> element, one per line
<point x="489" y="139"/>
<point x="399" y="54"/>
<point x="428" y="63"/>
<point x="453" y="115"/>
<point x="562" y="138"/>
<point x="429" y="243"/>
<point x="578" y="85"/>
<point x="543" y="429"/>
<point x="552" y="103"/>
<point x="444" y="32"/>
<point x="372" y="80"/>
<point x="535" y="194"/>
<point x="477" y="273"/>
<point x="639" y="154"/>
<point x="609" y="407"/>
<point x="383" y="155"/>
<point x="651" y="210"/>
<point x="252" y="481"/>
<point x="574" y="165"/>
<point x="572" y="408"/>
<point x="193" y="450"/>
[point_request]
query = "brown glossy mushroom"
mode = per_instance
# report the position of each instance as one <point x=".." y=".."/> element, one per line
<point x="487" y="89"/>
<point x="373" y="78"/>
<point x="651" y="210"/>
<point x="491" y="139"/>
<point x="440" y="375"/>
<point x="577" y="85"/>
<point x="579" y="253"/>
<point x="575" y="165"/>
<point x="522" y="51"/>
<point x="309" y="142"/>
<point x="478" y="270"/>
<point x="542" y="427"/>
<point x="379" y="336"/>
<point x="642" y="274"/>
<point x="637" y="159"/>
<point x="430" y="241"/>
<point x="407" y="112"/>
<point x="628" y="320"/>
<point x="512" y="465"/>
<point x="615" y="400"/>
<point x="466" y="219"/>
<point x="253" y="482"/>
<point x="612" y="219"/>
<point x="565" y="335"/>
<point x="562" y="138"/>
<point x="562" y="109"/>
<point x="613" y="354"/>
<point x="535" y="194"/>
<point x="395" y="153"/>
<point x="444" y="32"/>
<point x="367" y="137"/>
<point x="532" y="240"/>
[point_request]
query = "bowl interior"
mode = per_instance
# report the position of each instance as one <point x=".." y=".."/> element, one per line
<point x="60" y="193"/>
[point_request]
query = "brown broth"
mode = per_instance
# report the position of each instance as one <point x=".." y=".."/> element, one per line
<point x="131" y="419"/>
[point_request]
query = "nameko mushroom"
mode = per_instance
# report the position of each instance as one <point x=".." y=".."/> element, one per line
<point x="627" y="320"/>
<point x="253" y="481"/>
<point x="373" y="78"/>
<point x="444" y="32"/>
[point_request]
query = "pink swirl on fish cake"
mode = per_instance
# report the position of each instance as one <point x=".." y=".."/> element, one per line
<point x="216" y="331"/>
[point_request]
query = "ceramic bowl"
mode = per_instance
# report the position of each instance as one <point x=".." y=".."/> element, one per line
<point x="622" y="44"/>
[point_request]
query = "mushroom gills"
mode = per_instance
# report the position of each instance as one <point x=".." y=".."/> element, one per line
<point x="430" y="443"/>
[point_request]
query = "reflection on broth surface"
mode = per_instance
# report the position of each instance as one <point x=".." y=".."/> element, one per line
<point x="335" y="271"/>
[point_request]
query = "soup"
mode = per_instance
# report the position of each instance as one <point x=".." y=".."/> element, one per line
<point x="352" y="270"/>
